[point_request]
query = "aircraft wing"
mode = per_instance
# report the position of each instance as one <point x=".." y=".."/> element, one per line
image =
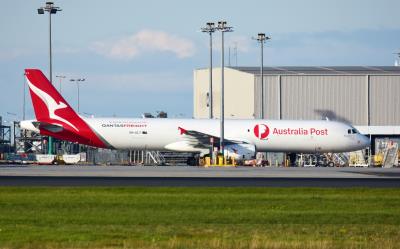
<point x="199" y="139"/>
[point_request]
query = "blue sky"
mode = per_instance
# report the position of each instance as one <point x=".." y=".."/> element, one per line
<point x="139" y="56"/>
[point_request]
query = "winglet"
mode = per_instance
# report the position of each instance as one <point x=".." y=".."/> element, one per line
<point x="182" y="131"/>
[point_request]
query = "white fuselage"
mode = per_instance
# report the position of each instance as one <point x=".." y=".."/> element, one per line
<point x="283" y="136"/>
<point x="56" y="118"/>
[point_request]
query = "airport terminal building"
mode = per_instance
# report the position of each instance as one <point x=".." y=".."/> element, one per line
<point x="367" y="97"/>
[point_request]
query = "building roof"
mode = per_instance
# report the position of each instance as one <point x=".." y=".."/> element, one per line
<point x="357" y="70"/>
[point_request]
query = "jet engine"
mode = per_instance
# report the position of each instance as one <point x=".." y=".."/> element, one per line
<point x="240" y="151"/>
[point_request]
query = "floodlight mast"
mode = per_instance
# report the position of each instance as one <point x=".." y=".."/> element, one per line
<point x="222" y="27"/>
<point x="23" y="99"/>
<point x="60" y="77"/>
<point x="78" y="81"/>
<point x="210" y="29"/>
<point x="261" y="38"/>
<point x="52" y="10"/>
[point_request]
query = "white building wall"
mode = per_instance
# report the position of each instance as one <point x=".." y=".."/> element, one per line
<point x="239" y="93"/>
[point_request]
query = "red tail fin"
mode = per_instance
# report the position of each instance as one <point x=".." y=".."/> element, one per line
<point x="52" y="111"/>
<point x="49" y="105"/>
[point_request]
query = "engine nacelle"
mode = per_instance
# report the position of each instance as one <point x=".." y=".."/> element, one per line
<point x="240" y="151"/>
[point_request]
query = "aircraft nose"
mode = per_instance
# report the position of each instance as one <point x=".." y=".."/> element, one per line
<point x="363" y="141"/>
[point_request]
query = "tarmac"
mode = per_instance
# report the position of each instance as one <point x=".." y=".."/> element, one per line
<point x="34" y="175"/>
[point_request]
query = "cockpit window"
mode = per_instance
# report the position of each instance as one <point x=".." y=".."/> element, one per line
<point x="352" y="131"/>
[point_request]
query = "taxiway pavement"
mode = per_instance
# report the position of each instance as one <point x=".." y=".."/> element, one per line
<point x="33" y="175"/>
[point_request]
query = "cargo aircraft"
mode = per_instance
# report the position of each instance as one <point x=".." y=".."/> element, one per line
<point x="243" y="138"/>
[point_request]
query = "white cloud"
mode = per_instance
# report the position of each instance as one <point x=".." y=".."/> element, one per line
<point x="144" y="41"/>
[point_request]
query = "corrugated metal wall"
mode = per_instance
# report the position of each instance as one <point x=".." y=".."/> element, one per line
<point x="305" y="96"/>
<point x="314" y="97"/>
<point x="342" y="97"/>
<point x="385" y="100"/>
<point x="271" y="97"/>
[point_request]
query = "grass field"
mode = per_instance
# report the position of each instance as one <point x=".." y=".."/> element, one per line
<point x="199" y="218"/>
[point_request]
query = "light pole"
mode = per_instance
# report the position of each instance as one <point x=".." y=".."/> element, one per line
<point x="52" y="10"/>
<point x="222" y="28"/>
<point x="261" y="38"/>
<point x="60" y="77"/>
<point x="78" y="80"/>
<point x="210" y="28"/>
<point x="23" y="99"/>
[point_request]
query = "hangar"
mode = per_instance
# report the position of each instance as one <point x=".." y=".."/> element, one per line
<point x="366" y="96"/>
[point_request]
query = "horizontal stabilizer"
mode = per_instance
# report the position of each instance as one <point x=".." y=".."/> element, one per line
<point x="47" y="126"/>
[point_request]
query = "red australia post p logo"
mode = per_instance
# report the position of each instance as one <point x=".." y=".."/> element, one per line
<point x="261" y="131"/>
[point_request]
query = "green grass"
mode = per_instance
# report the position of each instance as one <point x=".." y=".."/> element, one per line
<point x="199" y="218"/>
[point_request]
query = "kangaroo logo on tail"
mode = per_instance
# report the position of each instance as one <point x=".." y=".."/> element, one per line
<point x="52" y="105"/>
<point x="53" y="112"/>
